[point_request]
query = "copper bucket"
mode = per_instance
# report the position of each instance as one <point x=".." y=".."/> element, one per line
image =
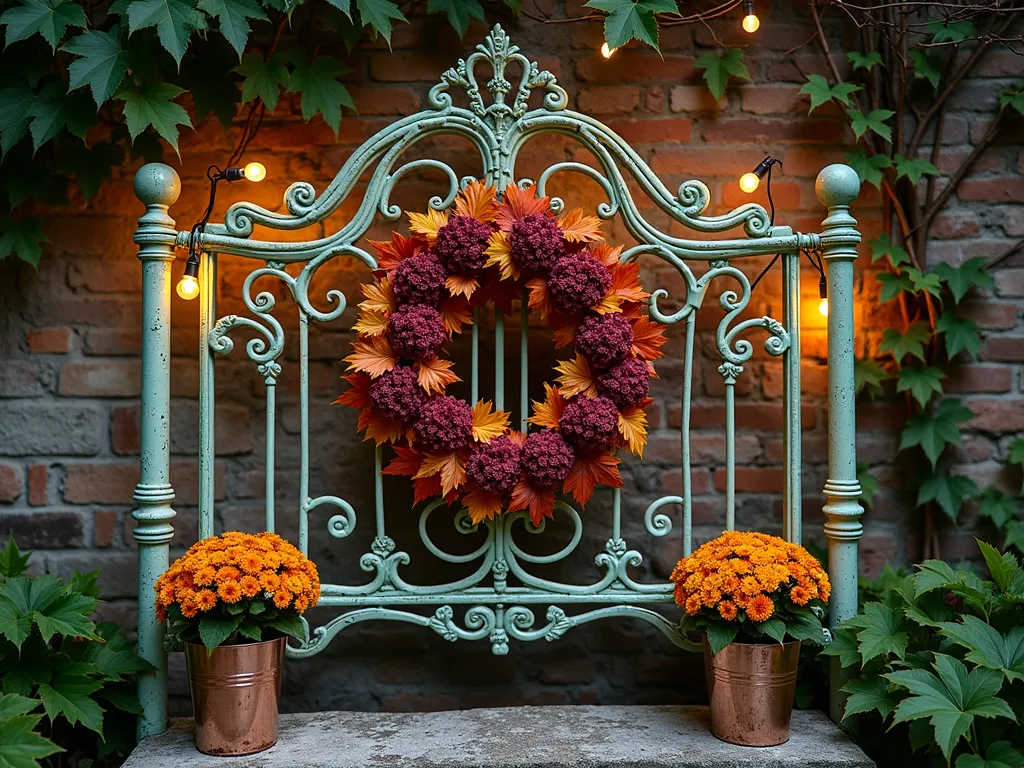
<point x="751" y="687"/>
<point x="235" y="692"/>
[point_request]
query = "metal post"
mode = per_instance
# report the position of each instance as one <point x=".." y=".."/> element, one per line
<point x="838" y="186"/>
<point x="158" y="187"/>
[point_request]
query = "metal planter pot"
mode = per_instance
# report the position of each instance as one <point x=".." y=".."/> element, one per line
<point x="751" y="687"/>
<point x="235" y="694"/>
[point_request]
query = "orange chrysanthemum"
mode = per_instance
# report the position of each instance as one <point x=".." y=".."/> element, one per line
<point x="727" y="610"/>
<point x="229" y="591"/>
<point x="799" y="595"/>
<point x="761" y="608"/>
<point x="205" y="599"/>
<point x="250" y="586"/>
<point x="282" y="598"/>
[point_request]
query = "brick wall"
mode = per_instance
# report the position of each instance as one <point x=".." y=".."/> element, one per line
<point x="70" y="338"/>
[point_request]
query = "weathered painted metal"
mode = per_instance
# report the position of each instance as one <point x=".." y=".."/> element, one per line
<point x="497" y="608"/>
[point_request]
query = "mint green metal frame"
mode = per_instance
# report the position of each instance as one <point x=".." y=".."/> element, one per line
<point x="497" y="611"/>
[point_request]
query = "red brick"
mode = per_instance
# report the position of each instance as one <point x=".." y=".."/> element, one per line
<point x="10" y="483"/>
<point x="124" y="430"/>
<point x="101" y="379"/>
<point x="634" y="66"/>
<point x="954" y="226"/>
<point x="701" y="162"/>
<point x="752" y="479"/>
<point x="115" y="483"/>
<point x="38" y="481"/>
<point x="385" y="101"/>
<point x="104" y="525"/>
<point x="1004" y="190"/>
<point x="991" y="314"/>
<point x="695" y="98"/>
<point x="49" y="341"/>
<point x="1004" y="415"/>
<point x="772" y="99"/>
<point x="652" y="130"/>
<point x="113" y="341"/>
<point x="808" y="163"/>
<point x="976" y="378"/>
<point x="410" y="67"/>
<point x="750" y="130"/>
<point x="654" y="100"/>
<point x="1009" y="282"/>
<point x="609" y="100"/>
<point x="1007" y="348"/>
<point x="785" y="194"/>
<point x="672" y="482"/>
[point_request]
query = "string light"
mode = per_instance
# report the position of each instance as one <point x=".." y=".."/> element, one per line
<point x="749" y="182"/>
<point x="750" y="21"/>
<point x="606" y="51"/>
<point x="822" y="292"/>
<point x="188" y="285"/>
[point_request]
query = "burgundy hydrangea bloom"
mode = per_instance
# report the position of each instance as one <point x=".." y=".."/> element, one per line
<point x="627" y="383"/>
<point x="461" y="244"/>
<point x="419" y="280"/>
<point x="495" y="466"/>
<point x="397" y="394"/>
<point x="537" y="242"/>
<point x="604" y="340"/>
<point x="445" y="423"/>
<point x="415" y="331"/>
<point x="547" y="458"/>
<point x="589" y="421"/>
<point x="578" y="281"/>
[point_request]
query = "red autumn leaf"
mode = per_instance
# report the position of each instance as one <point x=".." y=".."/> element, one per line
<point x="547" y="413"/>
<point x="519" y="203"/>
<point x="648" y="338"/>
<point x="390" y="255"/>
<point x="563" y="326"/>
<point x="580" y="228"/>
<point x="455" y="313"/>
<point x="435" y="374"/>
<point x="358" y="396"/>
<point x="540" y="297"/>
<point x="379" y="428"/>
<point x="626" y="282"/>
<point x="426" y="488"/>
<point x="482" y="505"/>
<point x="373" y="356"/>
<point x="407" y="462"/>
<point x="590" y="469"/>
<point x="477" y="200"/>
<point x="503" y="294"/>
<point x="539" y="501"/>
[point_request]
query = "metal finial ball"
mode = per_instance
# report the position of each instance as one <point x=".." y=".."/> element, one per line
<point x="837" y="184"/>
<point x="157" y="184"/>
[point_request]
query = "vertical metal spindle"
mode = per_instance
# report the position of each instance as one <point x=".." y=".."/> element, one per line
<point x="207" y="447"/>
<point x="499" y="359"/>
<point x="685" y="438"/>
<point x="792" y="493"/>
<point x="474" y="378"/>
<point x="303" y="432"/>
<point x="524" y="356"/>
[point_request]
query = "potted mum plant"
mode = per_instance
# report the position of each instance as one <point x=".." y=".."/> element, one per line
<point x="754" y="598"/>
<point x="232" y="601"/>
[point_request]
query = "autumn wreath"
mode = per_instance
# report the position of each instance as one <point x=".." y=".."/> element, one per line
<point x="424" y="291"/>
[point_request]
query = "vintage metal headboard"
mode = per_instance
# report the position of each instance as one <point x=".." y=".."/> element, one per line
<point x="496" y="609"/>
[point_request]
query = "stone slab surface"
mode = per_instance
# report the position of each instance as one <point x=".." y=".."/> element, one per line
<point x="520" y="737"/>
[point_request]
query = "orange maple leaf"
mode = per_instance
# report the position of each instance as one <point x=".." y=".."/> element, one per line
<point x="427" y="224"/>
<point x="518" y="203"/>
<point x="499" y="254"/>
<point x="460" y="284"/>
<point x="540" y="297"/>
<point x="626" y="282"/>
<point x="563" y="326"/>
<point x="407" y="462"/>
<point x="576" y="377"/>
<point x="547" y="413"/>
<point x="373" y="356"/>
<point x="633" y="428"/>
<point x="455" y="314"/>
<point x="371" y="323"/>
<point x="589" y="469"/>
<point x="358" y="396"/>
<point x="540" y="501"/>
<point x="607" y="255"/>
<point x="487" y="422"/>
<point x="379" y="297"/>
<point x="647" y="338"/>
<point x="609" y="305"/>
<point x="390" y="255"/>
<point x="517" y="437"/>
<point x="426" y="488"/>
<point x="482" y="505"/>
<point x="580" y="228"/>
<point x="379" y="428"/>
<point x="448" y="465"/>
<point x="477" y="200"/>
<point x="435" y="374"/>
<point x="502" y="294"/>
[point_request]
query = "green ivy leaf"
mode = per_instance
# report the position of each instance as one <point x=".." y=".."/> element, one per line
<point x="1012" y="98"/>
<point x="868" y="484"/>
<point x="869" y="694"/>
<point x="954" y="32"/>
<point x="864" y="60"/>
<point x="868" y="375"/>
<point x="952" y="699"/>
<point x="153" y="105"/>
<point x="12" y="561"/>
<point x="50" y="18"/>
<point x="873" y="121"/>
<point x="821" y="92"/>
<point x="913" y="169"/>
<point x="112" y="664"/>
<point x="927" y="68"/>
<point x="933" y="432"/>
<point x="233" y="17"/>
<point x="924" y="281"/>
<point x="997" y="506"/>
<point x="998" y="754"/>
<point x="959" y="333"/>
<point x="459" y="12"/>
<point x="23" y="238"/>
<point x="47" y="114"/>
<point x="719" y="68"/>
<point x="961" y="279"/>
<point x="263" y="79"/>
<point x="910" y="342"/>
<point x="1002" y="566"/>
<point x="378" y="14"/>
<point x="868" y="167"/>
<point x="948" y="491"/>
<point x="893" y="285"/>
<point x="68" y="695"/>
<point x="883" y="246"/>
<point x="212" y="95"/>
<point x="20" y="746"/>
<point x="922" y="383"/>
<point x="101" y="62"/>
<point x="345" y="6"/>
<point x="1016" y="455"/>
<point x="13" y="625"/>
<point x="628" y="20"/>
<point x="321" y="92"/>
<point x="883" y="631"/>
<point x="14" y="104"/>
<point x="174" y="21"/>
<point x="91" y="166"/>
<point x="54" y="610"/>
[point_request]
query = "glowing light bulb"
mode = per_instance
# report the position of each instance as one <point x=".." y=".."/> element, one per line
<point x="254" y="172"/>
<point x="751" y="23"/>
<point x="749" y="182"/>
<point x="606" y="51"/>
<point x="188" y="287"/>
<point x="823" y="307"/>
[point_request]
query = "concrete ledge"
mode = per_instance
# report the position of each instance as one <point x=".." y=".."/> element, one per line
<point x="521" y="737"/>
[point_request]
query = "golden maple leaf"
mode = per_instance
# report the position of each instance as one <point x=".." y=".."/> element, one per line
<point x="460" y="284"/>
<point x="379" y="297"/>
<point x="487" y="422"/>
<point x="427" y="224"/>
<point x="580" y="228"/>
<point x="499" y="254"/>
<point x="609" y="305"/>
<point x="482" y="505"/>
<point x="576" y="377"/>
<point x="477" y="201"/>
<point x="607" y="255"/>
<point x="448" y="466"/>
<point x="373" y="356"/>
<point x="633" y="428"/>
<point x="548" y="413"/>
<point x="435" y="374"/>
<point x="455" y="313"/>
<point x="371" y="323"/>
